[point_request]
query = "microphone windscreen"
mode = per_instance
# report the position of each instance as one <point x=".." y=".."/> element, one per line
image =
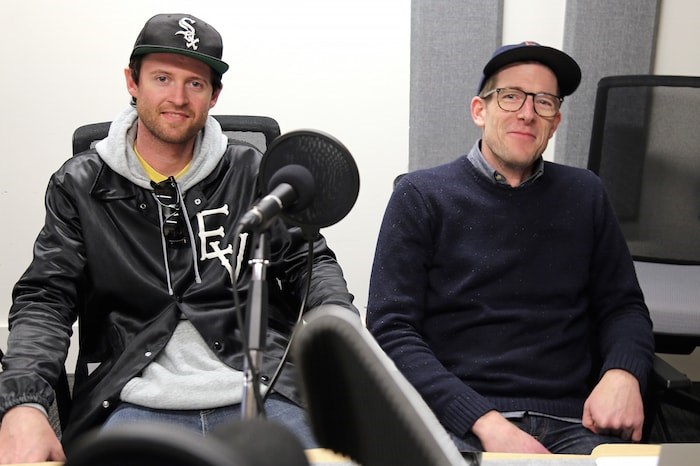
<point x="260" y="442"/>
<point x="335" y="174"/>
<point x="300" y="179"/>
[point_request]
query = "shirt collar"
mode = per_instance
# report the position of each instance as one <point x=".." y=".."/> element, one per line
<point x="476" y="157"/>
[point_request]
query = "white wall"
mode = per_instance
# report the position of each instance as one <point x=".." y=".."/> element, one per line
<point x="340" y="66"/>
<point x="524" y="21"/>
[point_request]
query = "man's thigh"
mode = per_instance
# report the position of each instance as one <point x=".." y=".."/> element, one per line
<point x="567" y="437"/>
<point x="277" y="409"/>
<point x="557" y="436"/>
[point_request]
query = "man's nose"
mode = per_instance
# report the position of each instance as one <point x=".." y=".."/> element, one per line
<point x="179" y="94"/>
<point x="528" y="108"/>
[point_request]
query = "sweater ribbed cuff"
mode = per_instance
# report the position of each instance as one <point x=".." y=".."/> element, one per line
<point x="638" y="368"/>
<point x="463" y="412"/>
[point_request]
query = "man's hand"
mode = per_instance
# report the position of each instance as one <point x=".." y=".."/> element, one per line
<point x="615" y="407"/>
<point x="27" y="437"/>
<point x="498" y="434"/>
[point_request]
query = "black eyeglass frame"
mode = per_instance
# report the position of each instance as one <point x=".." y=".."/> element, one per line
<point x="498" y="90"/>
<point x="166" y="194"/>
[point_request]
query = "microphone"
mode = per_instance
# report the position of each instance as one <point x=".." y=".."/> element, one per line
<point x="336" y="179"/>
<point x="291" y="188"/>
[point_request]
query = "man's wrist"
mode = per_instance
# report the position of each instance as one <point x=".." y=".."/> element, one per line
<point x="36" y="406"/>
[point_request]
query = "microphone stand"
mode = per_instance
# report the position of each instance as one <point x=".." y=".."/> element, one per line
<point x="256" y="326"/>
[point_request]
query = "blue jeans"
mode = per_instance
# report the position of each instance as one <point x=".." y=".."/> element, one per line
<point x="557" y="436"/>
<point x="277" y="409"/>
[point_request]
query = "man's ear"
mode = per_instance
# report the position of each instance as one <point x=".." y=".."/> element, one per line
<point x="131" y="85"/>
<point x="555" y="123"/>
<point x="215" y="97"/>
<point x="478" y="109"/>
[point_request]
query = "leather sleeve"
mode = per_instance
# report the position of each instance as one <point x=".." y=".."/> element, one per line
<point x="44" y="306"/>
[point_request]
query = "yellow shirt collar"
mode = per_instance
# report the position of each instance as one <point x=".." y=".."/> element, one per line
<point x="153" y="174"/>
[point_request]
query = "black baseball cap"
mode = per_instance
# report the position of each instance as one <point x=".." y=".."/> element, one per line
<point x="564" y="67"/>
<point x="183" y="34"/>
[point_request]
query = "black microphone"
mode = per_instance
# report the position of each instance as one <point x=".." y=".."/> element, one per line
<point x="290" y="188"/>
<point x="334" y="172"/>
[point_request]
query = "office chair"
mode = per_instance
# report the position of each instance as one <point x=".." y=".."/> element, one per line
<point x="255" y="442"/>
<point x="645" y="146"/>
<point x="259" y="131"/>
<point x="359" y="404"/>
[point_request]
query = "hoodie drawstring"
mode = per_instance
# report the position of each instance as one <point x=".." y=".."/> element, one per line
<point x="164" y="245"/>
<point x="186" y="216"/>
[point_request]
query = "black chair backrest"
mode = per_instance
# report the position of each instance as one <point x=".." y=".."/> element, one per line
<point x="645" y="146"/>
<point x="259" y="131"/>
<point x="358" y="402"/>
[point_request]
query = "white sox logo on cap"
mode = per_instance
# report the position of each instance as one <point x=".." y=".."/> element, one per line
<point x="188" y="32"/>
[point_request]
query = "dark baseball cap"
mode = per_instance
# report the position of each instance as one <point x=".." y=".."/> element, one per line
<point x="564" y="67"/>
<point x="182" y="34"/>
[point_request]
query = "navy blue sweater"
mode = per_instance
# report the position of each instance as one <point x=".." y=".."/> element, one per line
<point x="490" y="297"/>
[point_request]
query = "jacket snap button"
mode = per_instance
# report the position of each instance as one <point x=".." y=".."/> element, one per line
<point x="105" y="404"/>
<point x="142" y="206"/>
<point x="197" y="201"/>
<point x="148" y="354"/>
<point x="217" y="345"/>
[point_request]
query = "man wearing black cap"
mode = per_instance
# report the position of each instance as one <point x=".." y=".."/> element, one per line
<point x="138" y="246"/>
<point x="502" y="286"/>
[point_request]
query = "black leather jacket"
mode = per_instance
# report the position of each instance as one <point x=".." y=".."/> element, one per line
<point x="99" y="259"/>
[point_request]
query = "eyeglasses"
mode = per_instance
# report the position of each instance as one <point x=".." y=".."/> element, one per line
<point x="167" y="195"/>
<point x="511" y="100"/>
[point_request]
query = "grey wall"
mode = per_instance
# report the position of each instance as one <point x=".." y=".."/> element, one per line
<point x="606" y="37"/>
<point x="450" y="43"/>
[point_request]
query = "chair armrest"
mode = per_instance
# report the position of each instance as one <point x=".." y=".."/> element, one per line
<point x="668" y="376"/>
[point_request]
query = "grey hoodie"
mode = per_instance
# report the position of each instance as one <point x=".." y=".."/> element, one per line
<point x="118" y="153"/>
<point x="186" y="374"/>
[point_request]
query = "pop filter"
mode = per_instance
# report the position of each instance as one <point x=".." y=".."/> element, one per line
<point x="335" y="174"/>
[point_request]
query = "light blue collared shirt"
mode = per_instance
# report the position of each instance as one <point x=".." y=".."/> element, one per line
<point x="476" y="157"/>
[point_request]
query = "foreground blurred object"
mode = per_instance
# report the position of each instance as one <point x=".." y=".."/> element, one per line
<point x="359" y="404"/>
<point x="245" y="443"/>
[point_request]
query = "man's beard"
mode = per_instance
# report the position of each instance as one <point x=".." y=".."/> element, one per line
<point x="166" y="133"/>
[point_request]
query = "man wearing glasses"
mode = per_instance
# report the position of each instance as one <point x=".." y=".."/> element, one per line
<point x="502" y="286"/>
<point x="138" y="244"/>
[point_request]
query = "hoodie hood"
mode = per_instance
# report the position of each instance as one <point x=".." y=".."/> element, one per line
<point x="117" y="151"/>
